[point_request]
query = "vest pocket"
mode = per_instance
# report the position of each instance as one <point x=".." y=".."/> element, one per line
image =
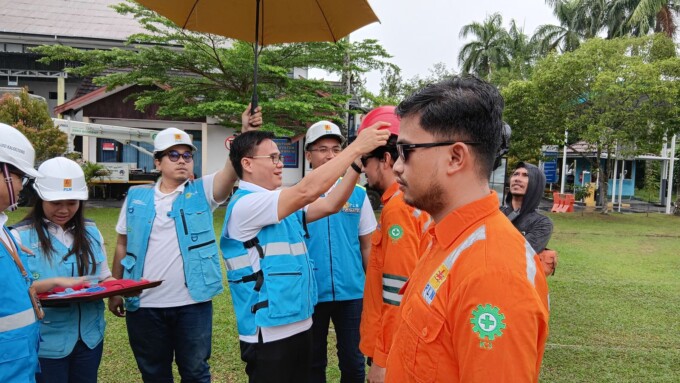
<point x="14" y="349"/>
<point x="284" y="289"/>
<point x="210" y="264"/>
<point x="424" y="327"/>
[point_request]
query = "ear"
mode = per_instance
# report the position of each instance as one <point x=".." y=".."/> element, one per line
<point x="459" y="158"/>
<point x="386" y="161"/>
<point x="245" y="164"/>
<point x="157" y="163"/>
<point x="308" y="156"/>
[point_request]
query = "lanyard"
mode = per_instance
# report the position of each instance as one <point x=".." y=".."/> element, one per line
<point x="37" y="308"/>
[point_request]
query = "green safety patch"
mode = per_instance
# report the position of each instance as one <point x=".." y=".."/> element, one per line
<point x="395" y="232"/>
<point x="487" y="322"/>
<point x="36" y="276"/>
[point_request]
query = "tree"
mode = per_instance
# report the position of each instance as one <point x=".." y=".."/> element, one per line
<point x="393" y="88"/>
<point x="30" y="117"/>
<point x="488" y="49"/>
<point x="607" y="92"/>
<point x="205" y="75"/>
<point x="521" y="53"/>
<point x="565" y="37"/>
<point x="644" y="16"/>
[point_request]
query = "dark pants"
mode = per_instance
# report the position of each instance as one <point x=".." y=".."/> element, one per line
<point x="80" y="366"/>
<point x="346" y="317"/>
<point x="157" y="335"/>
<point x="283" y="361"/>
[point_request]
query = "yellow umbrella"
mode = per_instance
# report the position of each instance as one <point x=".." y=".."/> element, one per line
<point x="276" y="21"/>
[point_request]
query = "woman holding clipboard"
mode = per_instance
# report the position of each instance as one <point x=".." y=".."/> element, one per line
<point x="65" y="249"/>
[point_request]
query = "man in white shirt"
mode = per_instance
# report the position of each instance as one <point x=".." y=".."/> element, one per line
<point x="165" y="232"/>
<point x="269" y="270"/>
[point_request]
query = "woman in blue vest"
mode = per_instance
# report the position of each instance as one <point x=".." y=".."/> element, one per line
<point x="65" y="248"/>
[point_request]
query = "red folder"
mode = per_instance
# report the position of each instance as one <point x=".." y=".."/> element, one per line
<point x="87" y="293"/>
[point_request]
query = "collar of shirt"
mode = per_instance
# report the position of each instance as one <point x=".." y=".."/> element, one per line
<point x="459" y="220"/>
<point x="179" y="189"/>
<point x="389" y="193"/>
<point x="3" y="218"/>
<point x="55" y="229"/>
<point x="251" y="187"/>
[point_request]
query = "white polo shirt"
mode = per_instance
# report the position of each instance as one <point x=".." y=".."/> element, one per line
<point x="249" y="215"/>
<point x="163" y="259"/>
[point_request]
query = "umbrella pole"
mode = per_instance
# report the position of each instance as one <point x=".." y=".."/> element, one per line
<point x="253" y="103"/>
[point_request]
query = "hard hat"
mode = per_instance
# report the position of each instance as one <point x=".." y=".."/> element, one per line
<point x="62" y="179"/>
<point x="381" y="113"/>
<point x="322" y="129"/>
<point x="171" y="137"/>
<point x="16" y="150"/>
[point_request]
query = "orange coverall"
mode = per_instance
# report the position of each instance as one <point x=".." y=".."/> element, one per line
<point x="394" y="253"/>
<point x="472" y="309"/>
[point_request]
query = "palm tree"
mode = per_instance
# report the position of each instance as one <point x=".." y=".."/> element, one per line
<point x="639" y="17"/>
<point x="567" y="36"/>
<point x="488" y="50"/>
<point x="520" y="50"/>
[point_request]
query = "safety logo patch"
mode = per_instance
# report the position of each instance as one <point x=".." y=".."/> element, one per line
<point x="395" y="232"/>
<point x="68" y="184"/>
<point x="488" y="322"/>
<point x="178" y="137"/>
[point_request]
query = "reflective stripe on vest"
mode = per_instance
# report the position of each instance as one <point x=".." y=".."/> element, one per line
<point x="275" y="248"/>
<point x="391" y="286"/>
<point x="531" y="266"/>
<point x="18" y="320"/>
<point x="442" y="272"/>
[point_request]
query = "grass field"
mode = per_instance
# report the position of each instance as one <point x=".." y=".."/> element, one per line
<point x="615" y="304"/>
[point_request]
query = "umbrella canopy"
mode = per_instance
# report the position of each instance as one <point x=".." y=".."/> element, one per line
<point x="280" y="21"/>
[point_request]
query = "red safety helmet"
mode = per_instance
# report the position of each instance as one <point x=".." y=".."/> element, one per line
<point x="382" y="113"/>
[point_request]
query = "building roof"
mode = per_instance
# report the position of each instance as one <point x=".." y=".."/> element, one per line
<point x="92" y="19"/>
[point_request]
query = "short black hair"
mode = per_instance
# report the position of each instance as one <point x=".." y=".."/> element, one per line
<point x="390" y="147"/>
<point x="463" y="108"/>
<point x="244" y="145"/>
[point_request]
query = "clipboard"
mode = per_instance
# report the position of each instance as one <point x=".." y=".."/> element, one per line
<point x="85" y="293"/>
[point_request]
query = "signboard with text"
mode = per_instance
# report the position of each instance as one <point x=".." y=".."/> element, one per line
<point x="290" y="151"/>
<point x="550" y="170"/>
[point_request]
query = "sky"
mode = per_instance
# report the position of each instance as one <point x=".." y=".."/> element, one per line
<point x="421" y="33"/>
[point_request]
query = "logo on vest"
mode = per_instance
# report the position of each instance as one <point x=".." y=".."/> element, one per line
<point x="351" y="208"/>
<point x="36" y="276"/>
<point x="395" y="232"/>
<point x="487" y="322"/>
<point x="188" y="195"/>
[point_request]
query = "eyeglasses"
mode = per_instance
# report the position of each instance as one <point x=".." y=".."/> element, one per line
<point x="325" y="150"/>
<point x="405" y="150"/>
<point x="174" y="155"/>
<point x="364" y="159"/>
<point x="24" y="178"/>
<point x="276" y="158"/>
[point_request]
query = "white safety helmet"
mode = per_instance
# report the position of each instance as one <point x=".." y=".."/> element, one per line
<point x="322" y="129"/>
<point x="63" y="179"/>
<point x="171" y="137"/>
<point x="16" y="150"/>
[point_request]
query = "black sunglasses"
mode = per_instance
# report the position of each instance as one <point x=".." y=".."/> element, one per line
<point x="174" y="155"/>
<point x="405" y="150"/>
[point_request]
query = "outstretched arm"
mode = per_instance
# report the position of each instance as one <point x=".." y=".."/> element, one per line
<point x="226" y="177"/>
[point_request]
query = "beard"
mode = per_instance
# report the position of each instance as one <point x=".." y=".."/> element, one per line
<point x="431" y="201"/>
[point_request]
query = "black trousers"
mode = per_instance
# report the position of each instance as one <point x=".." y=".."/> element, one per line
<point x="283" y="361"/>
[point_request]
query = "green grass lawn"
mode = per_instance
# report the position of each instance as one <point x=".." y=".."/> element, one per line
<point x="615" y="304"/>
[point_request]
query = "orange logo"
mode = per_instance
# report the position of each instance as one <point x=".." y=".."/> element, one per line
<point x="178" y="137"/>
<point x="327" y="127"/>
<point x="68" y="183"/>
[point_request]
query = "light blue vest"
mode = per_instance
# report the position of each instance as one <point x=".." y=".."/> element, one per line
<point x="194" y="225"/>
<point x="286" y="290"/>
<point x="19" y="329"/>
<point x="63" y="326"/>
<point x="334" y="246"/>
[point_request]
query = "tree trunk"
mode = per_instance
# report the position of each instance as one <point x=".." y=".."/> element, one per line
<point x="602" y="182"/>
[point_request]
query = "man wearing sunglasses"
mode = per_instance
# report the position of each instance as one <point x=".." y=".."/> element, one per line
<point x="165" y="232"/>
<point x="471" y="310"/>
<point x="269" y="270"/>
<point x="19" y="325"/>
<point x="339" y="245"/>
<point x="394" y="248"/>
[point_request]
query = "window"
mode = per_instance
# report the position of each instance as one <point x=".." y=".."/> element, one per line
<point x="14" y="48"/>
<point x="53" y="96"/>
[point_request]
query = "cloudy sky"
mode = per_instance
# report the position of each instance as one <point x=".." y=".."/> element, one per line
<point x="421" y="33"/>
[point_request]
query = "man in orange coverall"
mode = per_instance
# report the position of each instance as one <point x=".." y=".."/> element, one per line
<point x="394" y="249"/>
<point x="471" y="311"/>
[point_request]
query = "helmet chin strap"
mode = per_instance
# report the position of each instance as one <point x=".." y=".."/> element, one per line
<point x="13" y="203"/>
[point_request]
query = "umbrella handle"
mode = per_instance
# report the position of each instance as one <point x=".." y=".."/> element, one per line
<point x="253" y="102"/>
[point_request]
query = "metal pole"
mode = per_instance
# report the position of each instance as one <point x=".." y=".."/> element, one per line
<point x="664" y="169"/>
<point x="564" y="162"/>
<point x="253" y="102"/>
<point x="671" y="164"/>
<point x="616" y="170"/>
<point x="623" y="174"/>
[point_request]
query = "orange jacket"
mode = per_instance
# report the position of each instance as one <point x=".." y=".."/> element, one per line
<point x="472" y="309"/>
<point x="394" y="253"/>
